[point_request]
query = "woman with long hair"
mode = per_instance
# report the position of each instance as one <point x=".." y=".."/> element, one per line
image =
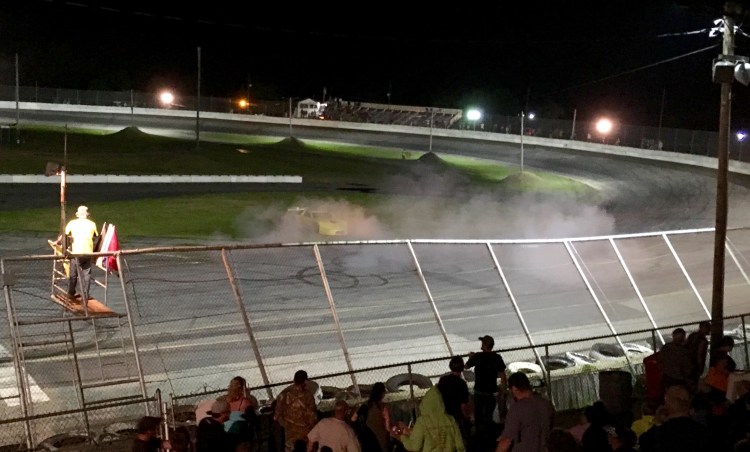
<point x="379" y="417"/>
<point x="237" y="395"/>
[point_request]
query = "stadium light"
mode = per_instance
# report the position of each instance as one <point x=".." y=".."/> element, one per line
<point x="604" y="126"/>
<point x="166" y="98"/>
<point x="243" y="103"/>
<point x="474" y="115"/>
<point x="741" y="135"/>
<point x="531" y="116"/>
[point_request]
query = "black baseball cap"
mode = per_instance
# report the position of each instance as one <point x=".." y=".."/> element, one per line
<point x="488" y="341"/>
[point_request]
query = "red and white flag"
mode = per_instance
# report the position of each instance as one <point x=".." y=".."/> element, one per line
<point x="109" y="244"/>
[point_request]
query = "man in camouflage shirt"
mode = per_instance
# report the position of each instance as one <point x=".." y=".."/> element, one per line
<point x="295" y="411"/>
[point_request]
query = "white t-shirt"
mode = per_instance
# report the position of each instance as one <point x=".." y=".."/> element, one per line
<point x="335" y="434"/>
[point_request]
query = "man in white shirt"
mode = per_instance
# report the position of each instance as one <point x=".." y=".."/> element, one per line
<point x="82" y="230"/>
<point x="334" y="432"/>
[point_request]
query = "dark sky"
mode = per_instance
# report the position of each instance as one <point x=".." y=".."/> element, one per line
<point x="499" y="55"/>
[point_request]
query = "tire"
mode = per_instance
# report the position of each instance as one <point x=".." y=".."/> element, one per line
<point x="394" y="383"/>
<point x="601" y="351"/>
<point x="557" y="362"/>
<point x="524" y="367"/>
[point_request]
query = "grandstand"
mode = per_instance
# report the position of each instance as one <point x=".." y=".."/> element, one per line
<point x="405" y="115"/>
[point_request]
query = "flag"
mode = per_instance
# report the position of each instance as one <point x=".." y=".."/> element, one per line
<point x="109" y="244"/>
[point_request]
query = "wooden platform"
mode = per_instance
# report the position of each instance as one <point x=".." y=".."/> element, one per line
<point x="95" y="307"/>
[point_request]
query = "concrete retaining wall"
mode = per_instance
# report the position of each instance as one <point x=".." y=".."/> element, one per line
<point x="120" y="179"/>
<point x="598" y="148"/>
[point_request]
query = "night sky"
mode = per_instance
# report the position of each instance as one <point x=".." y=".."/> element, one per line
<point x="500" y="55"/>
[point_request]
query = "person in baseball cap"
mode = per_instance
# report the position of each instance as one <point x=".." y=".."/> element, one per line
<point x="488" y="342"/>
<point x="488" y="367"/>
<point x="211" y="433"/>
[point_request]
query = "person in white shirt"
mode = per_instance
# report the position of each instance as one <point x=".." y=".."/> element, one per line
<point x="82" y="231"/>
<point x="334" y="432"/>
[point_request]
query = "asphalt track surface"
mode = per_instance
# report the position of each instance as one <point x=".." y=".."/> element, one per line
<point x="191" y="334"/>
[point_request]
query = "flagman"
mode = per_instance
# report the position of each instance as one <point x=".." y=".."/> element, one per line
<point x="82" y="231"/>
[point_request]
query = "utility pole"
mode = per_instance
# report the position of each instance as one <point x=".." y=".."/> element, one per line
<point x="198" y="106"/>
<point x="573" y="129"/>
<point x="522" y="116"/>
<point x="18" y="109"/>
<point x="432" y="119"/>
<point x="290" y="118"/>
<point x="661" y="114"/>
<point x="720" y="233"/>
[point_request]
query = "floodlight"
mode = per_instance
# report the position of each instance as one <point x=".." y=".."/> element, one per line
<point x="473" y="115"/>
<point x="166" y="97"/>
<point x="741" y="135"/>
<point x="532" y="115"/>
<point x="604" y="126"/>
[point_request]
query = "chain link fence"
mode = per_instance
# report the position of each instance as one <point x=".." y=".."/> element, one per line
<point x="185" y="320"/>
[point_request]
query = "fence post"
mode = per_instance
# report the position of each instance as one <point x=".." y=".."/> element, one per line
<point x="548" y="376"/>
<point x="411" y="393"/>
<point x="335" y="316"/>
<point x="246" y="321"/>
<point x="685" y="273"/>
<point x="515" y="306"/>
<point x="635" y="288"/>
<point x="653" y="339"/>
<point x="744" y="337"/>
<point x="435" y="311"/>
<point x="131" y="327"/>
<point x="15" y="343"/>
<point x="577" y="264"/>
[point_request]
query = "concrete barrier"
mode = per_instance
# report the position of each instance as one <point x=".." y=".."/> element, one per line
<point x="586" y="146"/>
<point x="122" y="179"/>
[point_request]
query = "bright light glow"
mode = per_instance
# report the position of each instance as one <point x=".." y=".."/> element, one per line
<point x="604" y="126"/>
<point x="741" y="136"/>
<point x="166" y="97"/>
<point x="532" y="115"/>
<point x="242" y="103"/>
<point x="473" y="115"/>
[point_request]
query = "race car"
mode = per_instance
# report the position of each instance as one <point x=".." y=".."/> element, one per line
<point x="321" y="221"/>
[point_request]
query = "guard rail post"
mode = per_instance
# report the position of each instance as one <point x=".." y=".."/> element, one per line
<point x="744" y="338"/>
<point x="411" y="393"/>
<point x="548" y="375"/>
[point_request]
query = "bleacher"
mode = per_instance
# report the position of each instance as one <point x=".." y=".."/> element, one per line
<point x="340" y="110"/>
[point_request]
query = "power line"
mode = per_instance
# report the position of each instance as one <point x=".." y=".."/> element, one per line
<point x="631" y="71"/>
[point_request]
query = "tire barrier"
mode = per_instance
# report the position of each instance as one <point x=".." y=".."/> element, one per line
<point x="524" y="367"/>
<point x="394" y="383"/>
<point x="557" y="362"/>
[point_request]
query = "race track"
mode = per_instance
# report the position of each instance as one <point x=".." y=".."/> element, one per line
<point x="191" y="334"/>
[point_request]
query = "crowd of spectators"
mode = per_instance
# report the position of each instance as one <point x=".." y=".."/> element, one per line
<point x="691" y="412"/>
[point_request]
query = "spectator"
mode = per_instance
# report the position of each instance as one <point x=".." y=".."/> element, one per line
<point x="242" y="430"/>
<point x="578" y="429"/>
<point x="434" y="430"/>
<point x="595" y="438"/>
<point x="560" y="440"/>
<point x="680" y="432"/>
<point x="334" y="432"/>
<point x="697" y="343"/>
<point x="211" y="434"/>
<point x="647" y="440"/>
<point x="646" y="420"/>
<point x="146" y="438"/>
<point x="295" y="411"/>
<point x="488" y="366"/>
<point x="717" y="379"/>
<point x="529" y="419"/>
<point x="621" y="439"/>
<point x="676" y="361"/>
<point x="374" y="421"/>
<point x="455" y="394"/>
<point x="238" y="401"/>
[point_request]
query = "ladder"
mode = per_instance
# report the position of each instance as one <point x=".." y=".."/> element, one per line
<point x="98" y="344"/>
